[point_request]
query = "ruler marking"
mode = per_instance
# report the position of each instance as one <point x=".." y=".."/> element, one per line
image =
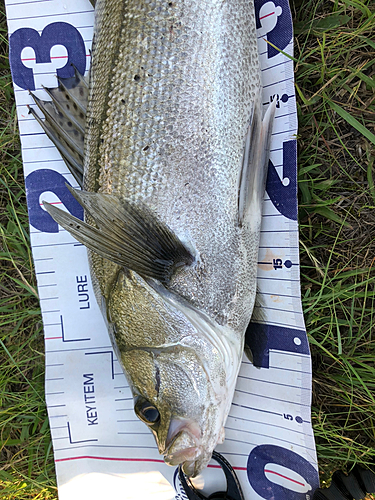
<point x="275" y="83"/>
<point x="284" y="325"/>
<point x="282" y="116"/>
<point x="278" y="64"/>
<point x="290" y="370"/>
<point x="280" y="295"/>
<point x="271" y="437"/>
<point x="39" y="147"/>
<point x="279" y="231"/>
<point x="108" y="446"/>
<point x="136" y="433"/>
<point x="77" y="442"/>
<point x="281" y="310"/>
<point x="266" y="423"/>
<point x="278" y="248"/>
<point x="285" y="131"/>
<point x="288" y="353"/>
<point x="289" y="280"/>
<point x="256" y="409"/>
<point x="121" y="459"/>
<point x="29" y="2"/>
<point x="49" y="15"/>
<point x="272" y="382"/>
<point x="78" y="349"/>
<point x="54" y="245"/>
<point x="236" y="455"/>
<point x="44" y="161"/>
<point x="32" y="133"/>
<point x="86" y="457"/>
<point x="63" y="333"/>
<point x="269" y="397"/>
<point x="111" y="356"/>
<point x="44" y="73"/>
<point x="286" y="477"/>
<point x="267" y="15"/>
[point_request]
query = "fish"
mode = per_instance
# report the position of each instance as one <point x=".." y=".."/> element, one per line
<point x="169" y="143"/>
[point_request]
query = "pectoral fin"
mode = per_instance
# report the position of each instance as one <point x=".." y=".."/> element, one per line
<point x="128" y="235"/>
<point x="253" y="175"/>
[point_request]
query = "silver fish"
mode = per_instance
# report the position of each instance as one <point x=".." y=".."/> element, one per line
<point x="174" y="162"/>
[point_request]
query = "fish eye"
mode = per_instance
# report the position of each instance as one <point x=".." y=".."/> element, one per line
<point x="146" y="411"/>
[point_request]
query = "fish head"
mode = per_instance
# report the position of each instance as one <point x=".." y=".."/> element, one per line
<point x="177" y="375"/>
<point x="174" y="398"/>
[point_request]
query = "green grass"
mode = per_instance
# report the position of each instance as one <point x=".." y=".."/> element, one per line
<point x="335" y="84"/>
<point x="336" y="87"/>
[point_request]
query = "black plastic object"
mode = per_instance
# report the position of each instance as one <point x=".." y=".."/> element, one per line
<point x="353" y="486"/>
<point x="233" y="492"/>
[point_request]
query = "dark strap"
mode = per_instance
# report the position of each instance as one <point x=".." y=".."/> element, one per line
<point x="233" y="492"/>
<point x="348" y="487"/>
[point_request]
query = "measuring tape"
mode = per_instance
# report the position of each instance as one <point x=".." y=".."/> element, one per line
<point x="100" y="447"/>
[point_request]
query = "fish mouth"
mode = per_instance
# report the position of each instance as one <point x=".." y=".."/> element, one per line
<point x="183" y="448"/>
<point x="182" y="456"/>
<point x="191" y="459"/>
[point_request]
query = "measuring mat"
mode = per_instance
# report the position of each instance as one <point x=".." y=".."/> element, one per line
<point x="101" y="449"/>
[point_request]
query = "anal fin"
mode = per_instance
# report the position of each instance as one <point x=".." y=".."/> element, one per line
<point x="126" y="234"/>
<point x="257" y="317"/>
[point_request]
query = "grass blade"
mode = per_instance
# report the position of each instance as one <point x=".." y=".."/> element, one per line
<point x="352" y="121"/>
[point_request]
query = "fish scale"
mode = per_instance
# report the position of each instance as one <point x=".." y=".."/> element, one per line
<point x="181" y="86"/>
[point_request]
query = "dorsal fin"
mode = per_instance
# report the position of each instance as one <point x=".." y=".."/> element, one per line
<point x="65" y="117"/>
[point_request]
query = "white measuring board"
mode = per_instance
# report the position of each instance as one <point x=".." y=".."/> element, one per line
<point x="101" y="449"/>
